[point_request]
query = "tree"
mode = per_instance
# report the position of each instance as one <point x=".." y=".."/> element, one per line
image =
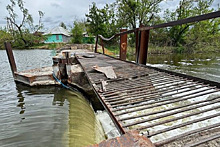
<point x="77" y="32"/>
<point x="17" y="30"/>
<point x="102" y="21"/>
<point x="62" y="24"/>
<point x="4" y="37"/>
<point x="193" y="35"/>
<point x="203" y="33"/>
<point x="134" y="12"/>
<point x="178" y="33"/>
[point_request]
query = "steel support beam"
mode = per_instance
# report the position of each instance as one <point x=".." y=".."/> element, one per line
<point x="143" y="51"/>
<point x="123" y="45"/>
<point x="11" y="58"/>
<point x="96" y="44"/>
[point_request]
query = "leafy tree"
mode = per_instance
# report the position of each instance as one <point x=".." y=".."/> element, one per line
<point x="203" y="33"/>
<point x="4" y="36"/>
<point x="77" y="32"/>
<point x="133" y="12"/>
<point x="178" y="33"/>
<point x="102" y="21"/>
<point x="16" y="29"/>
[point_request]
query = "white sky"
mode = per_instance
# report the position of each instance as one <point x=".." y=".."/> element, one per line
<point x="66" y="11"/>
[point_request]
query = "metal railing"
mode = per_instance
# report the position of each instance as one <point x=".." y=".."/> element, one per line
<point x="142" y="36"/>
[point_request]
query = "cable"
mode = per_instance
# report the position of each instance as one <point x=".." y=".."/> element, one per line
<point x="54" y="76"/>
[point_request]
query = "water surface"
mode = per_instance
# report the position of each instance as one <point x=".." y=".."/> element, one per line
<point x="206" y="65"/>
<point x="47" y="116"/>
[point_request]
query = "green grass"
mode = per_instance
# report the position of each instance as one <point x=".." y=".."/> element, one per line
<point x="50" y="46"/>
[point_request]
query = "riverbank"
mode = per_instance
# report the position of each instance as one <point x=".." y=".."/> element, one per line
<point x="49" y="46"/>
<point x="157" y="50"/>
<point x="114" y="50"/>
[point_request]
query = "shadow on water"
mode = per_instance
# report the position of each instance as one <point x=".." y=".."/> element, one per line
<point x="49" y="116"/>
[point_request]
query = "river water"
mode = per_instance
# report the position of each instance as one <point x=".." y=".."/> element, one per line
<point x="206" y="65"/>
<point x="48" y="116"/>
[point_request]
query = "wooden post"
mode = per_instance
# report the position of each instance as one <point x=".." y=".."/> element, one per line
<point x="11" y="58"/>
<point x="143" y="47"/>
<point x="96" y="44"/>
<point x="123" y="45"/>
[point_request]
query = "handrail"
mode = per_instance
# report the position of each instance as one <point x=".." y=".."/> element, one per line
<point x="118" y="34"/>
<point x="184" y="21"/>
<point x="169" y="24"/>
<point x="142" y="35"/>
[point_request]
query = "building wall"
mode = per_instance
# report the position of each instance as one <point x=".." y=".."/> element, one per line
<point x="66" y="39"/>
<point x="54" y="39"/>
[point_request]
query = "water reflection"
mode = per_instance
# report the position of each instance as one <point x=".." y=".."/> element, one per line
<point x="21" y="102"/>
<point x="48" y="116"/>
<point x="42" y="116"/>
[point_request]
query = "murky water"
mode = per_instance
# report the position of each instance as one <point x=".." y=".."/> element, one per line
<point x="204" y="65"/>
<point x="48" y="116"/>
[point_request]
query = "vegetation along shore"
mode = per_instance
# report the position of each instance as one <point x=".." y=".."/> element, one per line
<point x="197" y="37"/>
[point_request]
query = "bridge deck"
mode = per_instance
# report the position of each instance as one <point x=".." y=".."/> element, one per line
<point x="163" y="106"/>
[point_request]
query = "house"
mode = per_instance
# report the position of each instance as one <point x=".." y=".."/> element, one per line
<point x="88" y="39"/>
<point x="57" y="35"/>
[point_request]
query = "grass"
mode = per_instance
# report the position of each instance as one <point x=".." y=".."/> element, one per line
<point x="50" y="46"/>
<point x="165" y="50"/>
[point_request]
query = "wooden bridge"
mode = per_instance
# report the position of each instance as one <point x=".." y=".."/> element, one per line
<point x="169" y="108"/>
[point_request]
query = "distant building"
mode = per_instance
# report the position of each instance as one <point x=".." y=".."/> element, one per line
<point x="88" y="39"/>
<point x="57" y="35"/>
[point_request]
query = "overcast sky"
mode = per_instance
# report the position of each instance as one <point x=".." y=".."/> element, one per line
<point x="66" y="11"/>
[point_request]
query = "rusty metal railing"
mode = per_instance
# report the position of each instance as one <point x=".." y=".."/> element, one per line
<point x="142" y="36"/>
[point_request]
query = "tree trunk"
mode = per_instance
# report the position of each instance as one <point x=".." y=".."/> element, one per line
<point x="22" y="37"/>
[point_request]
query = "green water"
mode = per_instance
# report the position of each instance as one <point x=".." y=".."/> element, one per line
<point x="42" y="117"/>
<point x="84" y="128"/>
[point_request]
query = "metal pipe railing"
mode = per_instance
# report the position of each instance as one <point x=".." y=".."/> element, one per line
<point x="142" y="36"/>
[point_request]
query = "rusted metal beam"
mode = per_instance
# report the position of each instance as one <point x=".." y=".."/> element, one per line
<point x="171" y="113"/>
<point x="143" y="51"/>
<point x="96" y="44"/>
<point x="152" y="92"/>
<point x="11" y="58"/>
<point x="166" y="110"/>
<point x="183" y="116"/>
<point x="143" y="106"/>
<point x="171" y="139"/>
<point x="123" y="45"/>
<point x="203" y="140"/>
<point x="143" y="99"/>
<point x="136" y="45"/>
<point x="103" y="48"/>
<point x="138" y="87"/>
<point x="184" y="21"/>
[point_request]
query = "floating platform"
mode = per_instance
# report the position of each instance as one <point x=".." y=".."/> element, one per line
<point x="36" y="77"/>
